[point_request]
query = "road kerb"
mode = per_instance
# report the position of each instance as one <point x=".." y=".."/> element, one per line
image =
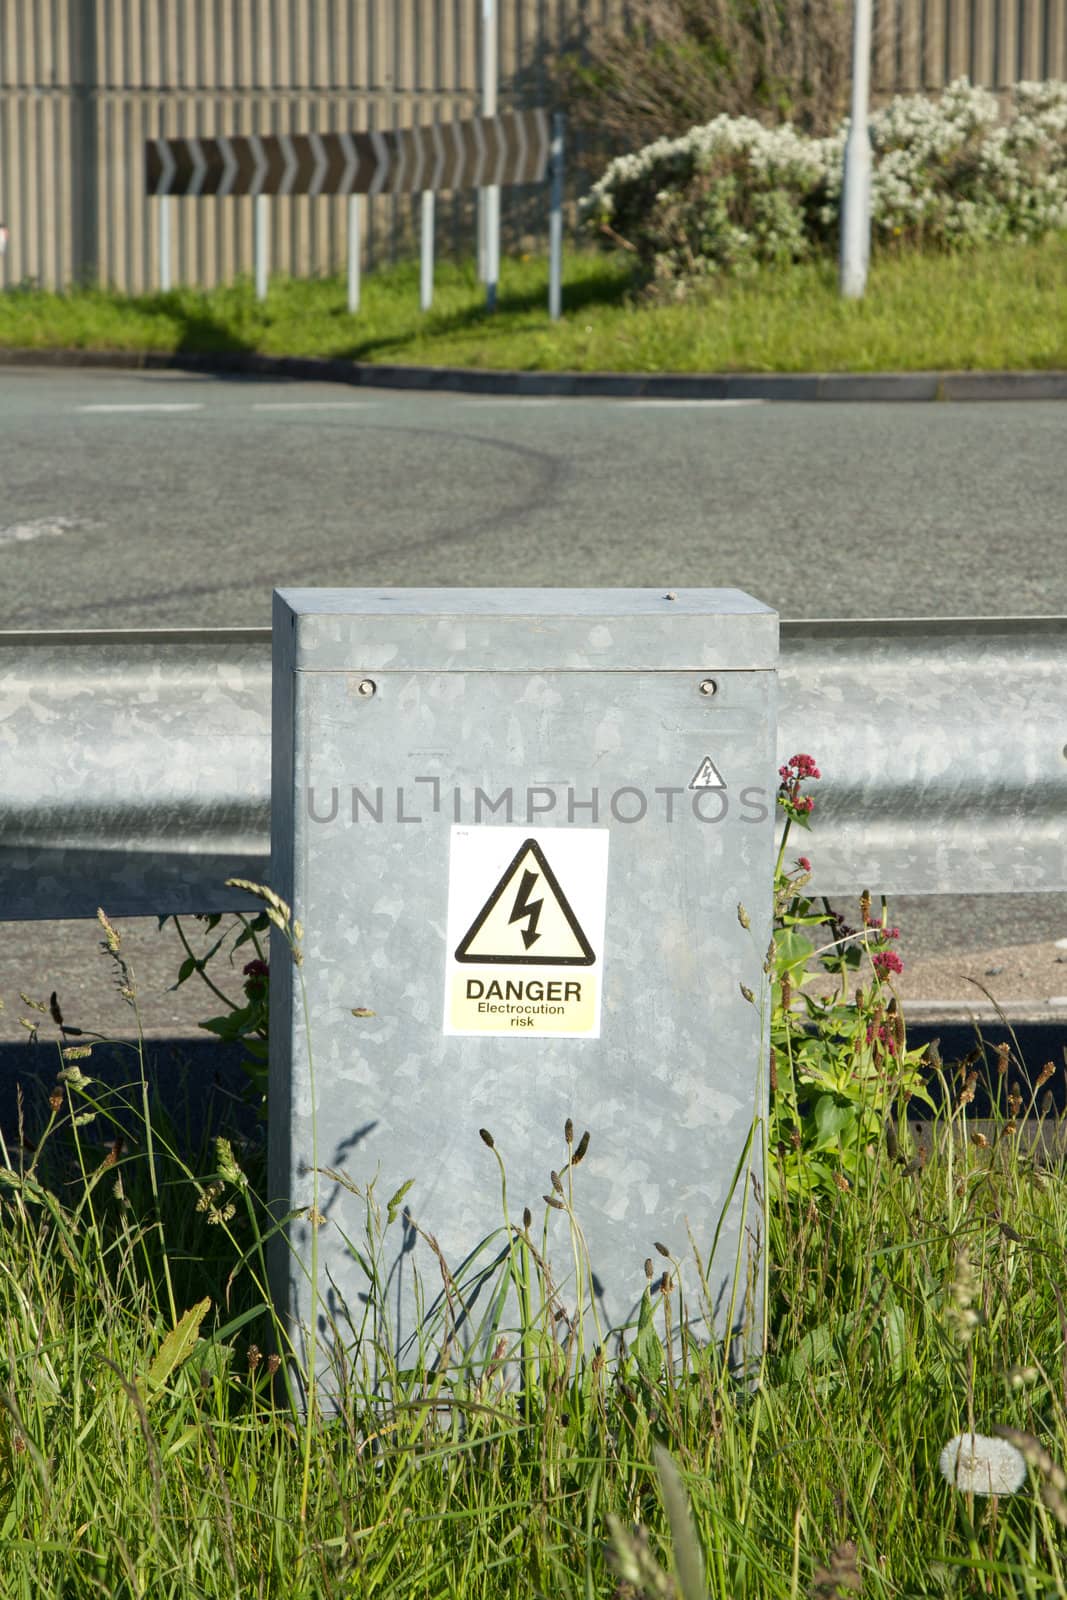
<point x="835" y="387"/>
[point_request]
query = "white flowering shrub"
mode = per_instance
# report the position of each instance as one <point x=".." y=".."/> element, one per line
<point x="733" y="195"/>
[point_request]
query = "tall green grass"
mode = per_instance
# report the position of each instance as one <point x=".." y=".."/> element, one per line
<point x="1000" y="307"/>
<point x="147" y="1448"/>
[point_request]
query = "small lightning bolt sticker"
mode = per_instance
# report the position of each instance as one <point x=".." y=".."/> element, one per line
<point x="525" y="907"/>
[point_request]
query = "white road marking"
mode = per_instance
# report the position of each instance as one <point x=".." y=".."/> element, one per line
<point x="311" y="405"/>
<point x="142" y="405"/>
<point x="42" y="528"/>
<point x="524" y="400"/>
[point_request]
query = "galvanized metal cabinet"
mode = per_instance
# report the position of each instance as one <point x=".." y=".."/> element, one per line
<point x="624" y="741"/>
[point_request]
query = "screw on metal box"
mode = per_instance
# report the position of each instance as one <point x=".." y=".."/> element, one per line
<point x="709" y="686"/>
<point x="367" y="688"/>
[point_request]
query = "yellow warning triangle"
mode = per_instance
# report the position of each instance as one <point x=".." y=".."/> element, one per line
<point x="527" y="921"/>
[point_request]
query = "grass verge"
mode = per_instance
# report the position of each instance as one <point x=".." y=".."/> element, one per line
<point x="1001" y="307"/>
<point x="144" y="1449"/>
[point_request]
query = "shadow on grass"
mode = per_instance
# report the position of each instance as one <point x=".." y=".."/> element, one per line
<point x="197" y="1084"/>
<point x="197" y="1091"/>
<point x="198" y="329"/>
<point x="202" y="333"/>
<point x="186" y="326"/>
<point x="603" y="287"/>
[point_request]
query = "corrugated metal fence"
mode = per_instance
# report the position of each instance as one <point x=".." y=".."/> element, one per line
<point x="84" y="82"/>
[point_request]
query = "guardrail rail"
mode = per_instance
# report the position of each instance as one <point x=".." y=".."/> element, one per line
<point x="135" y="766"/>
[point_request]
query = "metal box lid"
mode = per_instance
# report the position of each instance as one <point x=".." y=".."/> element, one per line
<point x="526" y="630"/>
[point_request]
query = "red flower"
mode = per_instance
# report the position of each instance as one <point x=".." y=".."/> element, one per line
<point x="799" y="766"/>
<point x="792" y="775"/>
<point x="885" y="962"/>
<point x="803" y="863"/>
<point x="257" y="981"/>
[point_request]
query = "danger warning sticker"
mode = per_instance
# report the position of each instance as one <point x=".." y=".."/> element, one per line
<point x="707" y="776"/>
<point x="526" y="911"/>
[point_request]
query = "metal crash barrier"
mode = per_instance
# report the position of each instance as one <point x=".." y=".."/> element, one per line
<point x="135" y="766"/>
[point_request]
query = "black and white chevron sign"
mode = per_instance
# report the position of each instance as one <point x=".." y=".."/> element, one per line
<point x="511" y="148"/>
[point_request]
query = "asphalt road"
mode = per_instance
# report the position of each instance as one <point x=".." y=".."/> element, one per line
<point x="178" y="500"/>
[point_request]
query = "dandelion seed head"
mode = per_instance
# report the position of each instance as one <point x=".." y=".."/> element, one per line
<point x="974" y="1463"/>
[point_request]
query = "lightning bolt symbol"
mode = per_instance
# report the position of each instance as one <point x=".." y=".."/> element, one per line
<point x="525" y="907"/>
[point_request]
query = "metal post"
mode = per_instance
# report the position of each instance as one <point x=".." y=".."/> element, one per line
<point x="856" y="179"/>
<point x="164" y="244"/>
<point x="489" y="199"/>
<point x="353" y="253"/>
<point x="426" y="262"/>
<point x="492" y="246"/>
<point x="262" y="265"/>
<point x="85" y="166"/>
<point x="555" y="220"/>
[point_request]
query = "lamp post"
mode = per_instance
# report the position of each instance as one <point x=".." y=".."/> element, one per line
<point x="489" y="197"/>
<point x="856" y="179"/>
